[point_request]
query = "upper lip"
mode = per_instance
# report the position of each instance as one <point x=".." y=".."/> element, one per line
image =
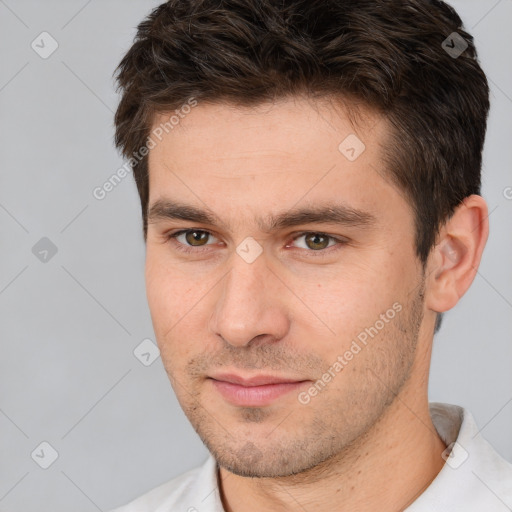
<point x="257" y="380"/>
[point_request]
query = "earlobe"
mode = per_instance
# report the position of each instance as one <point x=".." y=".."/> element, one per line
<point x="455" y="259"/>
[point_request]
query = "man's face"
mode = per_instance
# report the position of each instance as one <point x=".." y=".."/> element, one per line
<point x="291" y="301"/>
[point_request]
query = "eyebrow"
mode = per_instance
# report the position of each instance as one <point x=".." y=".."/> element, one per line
<point x="165" y="209"/>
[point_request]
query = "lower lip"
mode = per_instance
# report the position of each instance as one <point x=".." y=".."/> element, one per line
<point x="254" y="395"/>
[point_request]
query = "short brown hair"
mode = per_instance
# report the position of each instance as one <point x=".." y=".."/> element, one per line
<point x="390" y="55"/>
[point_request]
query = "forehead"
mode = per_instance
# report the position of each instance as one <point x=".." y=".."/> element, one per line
<point x="271" y="157"/>
<point x="290" y="127"/>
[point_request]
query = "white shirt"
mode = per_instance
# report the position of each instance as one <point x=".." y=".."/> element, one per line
<point x="473" y="478"/>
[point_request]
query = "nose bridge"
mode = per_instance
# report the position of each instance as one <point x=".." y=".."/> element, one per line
<point x="248" y="306"/>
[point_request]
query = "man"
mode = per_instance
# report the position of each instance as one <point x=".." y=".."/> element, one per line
<point x="309" y="174"/>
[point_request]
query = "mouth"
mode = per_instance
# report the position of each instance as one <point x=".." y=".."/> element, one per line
<point x="254" y="391"/>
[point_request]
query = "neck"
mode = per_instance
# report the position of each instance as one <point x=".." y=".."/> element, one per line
<point x="385" y="470"/>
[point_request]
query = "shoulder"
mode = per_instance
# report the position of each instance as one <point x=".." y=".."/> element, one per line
<point x="181" y="491"/>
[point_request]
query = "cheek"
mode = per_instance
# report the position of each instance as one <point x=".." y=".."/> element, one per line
<point x="347" y="302"/>
<point x="177" y="304"/>
<point x="340" y="298"/>
<point x="168" y="289"/>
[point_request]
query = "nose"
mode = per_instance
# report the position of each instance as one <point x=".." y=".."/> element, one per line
<point x="250" y="305"/>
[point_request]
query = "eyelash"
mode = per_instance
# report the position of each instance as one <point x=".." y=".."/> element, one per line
<point x="171" y="237"/>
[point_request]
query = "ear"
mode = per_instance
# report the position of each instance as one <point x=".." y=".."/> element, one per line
<point x="454" y="260"/>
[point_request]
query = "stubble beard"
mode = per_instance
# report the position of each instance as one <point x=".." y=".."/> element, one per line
<point x="334" y="430"/>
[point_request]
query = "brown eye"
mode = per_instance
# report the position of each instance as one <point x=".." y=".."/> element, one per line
<point x="191" y="240"/>
<point x="316" y="241"/>
<point x="196" y="238"/>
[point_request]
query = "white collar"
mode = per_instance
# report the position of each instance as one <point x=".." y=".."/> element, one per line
<point x="474" y="477"/>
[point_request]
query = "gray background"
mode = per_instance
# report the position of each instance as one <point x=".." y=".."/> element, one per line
<point x="68" y="374"/>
